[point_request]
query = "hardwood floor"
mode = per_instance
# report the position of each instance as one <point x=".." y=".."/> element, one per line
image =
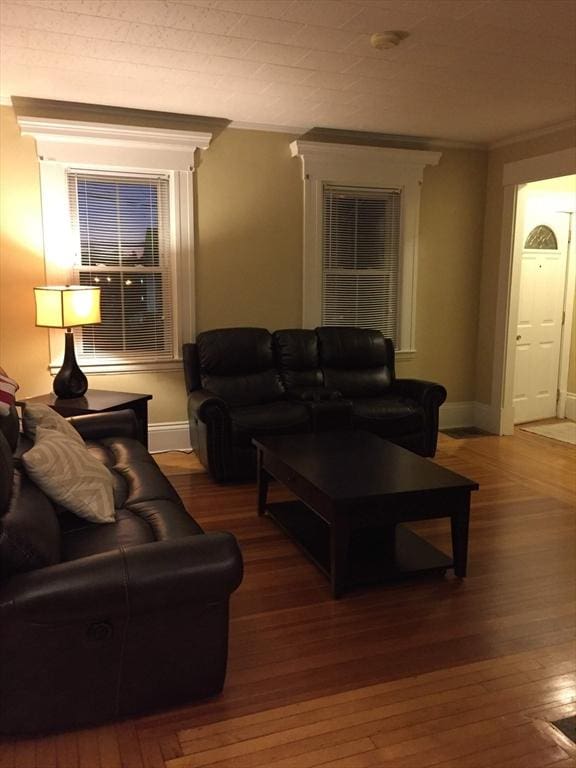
<point x="433" y="672"/>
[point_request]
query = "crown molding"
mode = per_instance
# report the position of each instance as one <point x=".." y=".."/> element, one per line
<point x="268" y="128"/>
<point x="322" y="150"/>
<point x="535" y="134"/>
<point x="75" y="141"/>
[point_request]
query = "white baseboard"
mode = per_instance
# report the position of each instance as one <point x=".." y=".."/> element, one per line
<point x="570" y="412"/>
<point x="468" y="414"/>
<point x="169" y="436"/>
<point x="174" y="435"/>
<point x="453" y="415"/>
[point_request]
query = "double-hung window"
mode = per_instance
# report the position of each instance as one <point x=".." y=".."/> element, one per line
<point x="361" y="257"/>
<point x="361" y="207"/>
<point x="121" y="229"/>
<point x="117" y="212"/>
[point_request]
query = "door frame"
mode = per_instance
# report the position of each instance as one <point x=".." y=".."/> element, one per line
<point x="515" y="175"/>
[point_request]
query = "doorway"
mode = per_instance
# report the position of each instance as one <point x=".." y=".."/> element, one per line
<point x="542" y="295"/>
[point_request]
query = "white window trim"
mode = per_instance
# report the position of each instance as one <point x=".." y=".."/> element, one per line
<point x="351" y="165"/>
<point x="64" y="145"/>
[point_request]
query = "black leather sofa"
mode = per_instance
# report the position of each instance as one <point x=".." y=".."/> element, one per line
<point x="102" y="621"/>
<point x="247" y="382"/>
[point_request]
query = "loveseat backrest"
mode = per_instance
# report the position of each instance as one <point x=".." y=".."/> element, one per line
<point x="296" y="351"/>
<point x="238" y="365"/>
<point x="358" y="362"/>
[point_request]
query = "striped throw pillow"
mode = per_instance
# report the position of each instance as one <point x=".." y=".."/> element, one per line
<point x="71" y="476"/>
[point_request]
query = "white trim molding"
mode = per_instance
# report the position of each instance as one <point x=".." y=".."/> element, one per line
<point x="169" y="436"/>
<point x="468" y="414"/>
<point x="514" y="175"/>
<point x="535" y="134"/>
<point x="570" y="408"/>
<point x="351" y="165"/>
<point x="81" y="143"/>
<point x="69" y="145"/>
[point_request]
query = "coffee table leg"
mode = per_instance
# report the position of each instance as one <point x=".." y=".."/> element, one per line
<point x="459" y="525"/>
<point x="263" y="479"/>
<point x="339" y="544"/>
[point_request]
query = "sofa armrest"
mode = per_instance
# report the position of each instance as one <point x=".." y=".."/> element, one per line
<point x="96" y="426"/>
<point x="205" y="568"/>
<point x="430" y="396"/>
<point x="427" y="393"/>
<point x="206" y="405"/>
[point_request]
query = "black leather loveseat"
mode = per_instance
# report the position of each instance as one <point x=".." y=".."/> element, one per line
<point x="98" y="621"/>
<point x="247" y="382"/>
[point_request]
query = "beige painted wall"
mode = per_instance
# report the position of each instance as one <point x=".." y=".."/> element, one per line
<point x="249" y="204"/>
<point x="450" y="254"/>
<point x="542" y="145"/>
<point x="249" y="260"/>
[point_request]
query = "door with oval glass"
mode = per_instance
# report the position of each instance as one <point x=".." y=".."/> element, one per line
<point x="540" y="314"/>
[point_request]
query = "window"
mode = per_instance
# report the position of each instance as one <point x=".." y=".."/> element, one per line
<point x="360" y="258"/>
<point x="121" y="227"/>
<point x="361" y="207"/>
<point x="117" y="210"/>
<point x="541" y="238"/>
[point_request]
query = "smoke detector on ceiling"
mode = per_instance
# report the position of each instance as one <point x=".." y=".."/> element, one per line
<point x="384" y="40"/>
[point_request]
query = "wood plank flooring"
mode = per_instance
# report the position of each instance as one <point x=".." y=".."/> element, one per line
<point x="434" y="672"/>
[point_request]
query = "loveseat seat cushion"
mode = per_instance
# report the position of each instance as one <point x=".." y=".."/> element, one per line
<point x="387" y="417"/>
<point x="271" y="418"/>
<point x="237" y="364"/>
<point x="82" y="538"/>
<point x="357" y="362"/>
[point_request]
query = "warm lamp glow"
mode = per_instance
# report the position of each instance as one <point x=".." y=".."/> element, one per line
<point x="65" y="306"/>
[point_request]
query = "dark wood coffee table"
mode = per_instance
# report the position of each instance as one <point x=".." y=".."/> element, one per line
<point x="353" y="492"/>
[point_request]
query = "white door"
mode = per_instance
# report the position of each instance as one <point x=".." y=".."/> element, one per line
<point x="540" y="312"/>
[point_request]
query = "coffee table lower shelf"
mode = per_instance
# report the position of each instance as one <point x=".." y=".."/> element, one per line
<point x="369" y="550"/>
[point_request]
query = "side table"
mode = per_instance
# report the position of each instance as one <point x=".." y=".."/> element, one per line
<point x="99" y="401"/>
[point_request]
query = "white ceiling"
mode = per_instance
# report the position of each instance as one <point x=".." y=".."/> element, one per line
<point x="470" y="70"/>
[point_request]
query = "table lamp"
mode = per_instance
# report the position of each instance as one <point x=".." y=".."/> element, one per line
<point x="67" y="306"/>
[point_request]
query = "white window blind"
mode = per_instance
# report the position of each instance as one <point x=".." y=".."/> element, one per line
<point x="122" y="235"/>
<point x="361" y="257"/>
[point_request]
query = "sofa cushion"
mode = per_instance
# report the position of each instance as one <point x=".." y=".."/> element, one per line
<point x="358" y="362"/>
<point x="85" y="538"/>
<point x="237" y="364"/>
<point x="70" y="475"/>
<point x="387" y="417"/>
<point x="269" y="419"/>
<point x="297" y="358"/>
<point x="29" y="531"/>
<point x="248" y="389"/>
<point x="40" y="415"/>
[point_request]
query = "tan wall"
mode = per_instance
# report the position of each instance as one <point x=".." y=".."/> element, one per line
<point x="492" y="243"/>
<point x="249" y="260"/>
<point x="450" y="254"/>
<point x="249" y="265"/>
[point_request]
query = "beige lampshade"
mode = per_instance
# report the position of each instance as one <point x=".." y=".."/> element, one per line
<point x="65" y="306"/>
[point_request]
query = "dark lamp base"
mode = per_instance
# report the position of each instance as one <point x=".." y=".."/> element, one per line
<point x="70" y="381"/>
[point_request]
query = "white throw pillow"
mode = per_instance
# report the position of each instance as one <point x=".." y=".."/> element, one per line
<point x="38" y="415"/>
<point x="68" y="473"/>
